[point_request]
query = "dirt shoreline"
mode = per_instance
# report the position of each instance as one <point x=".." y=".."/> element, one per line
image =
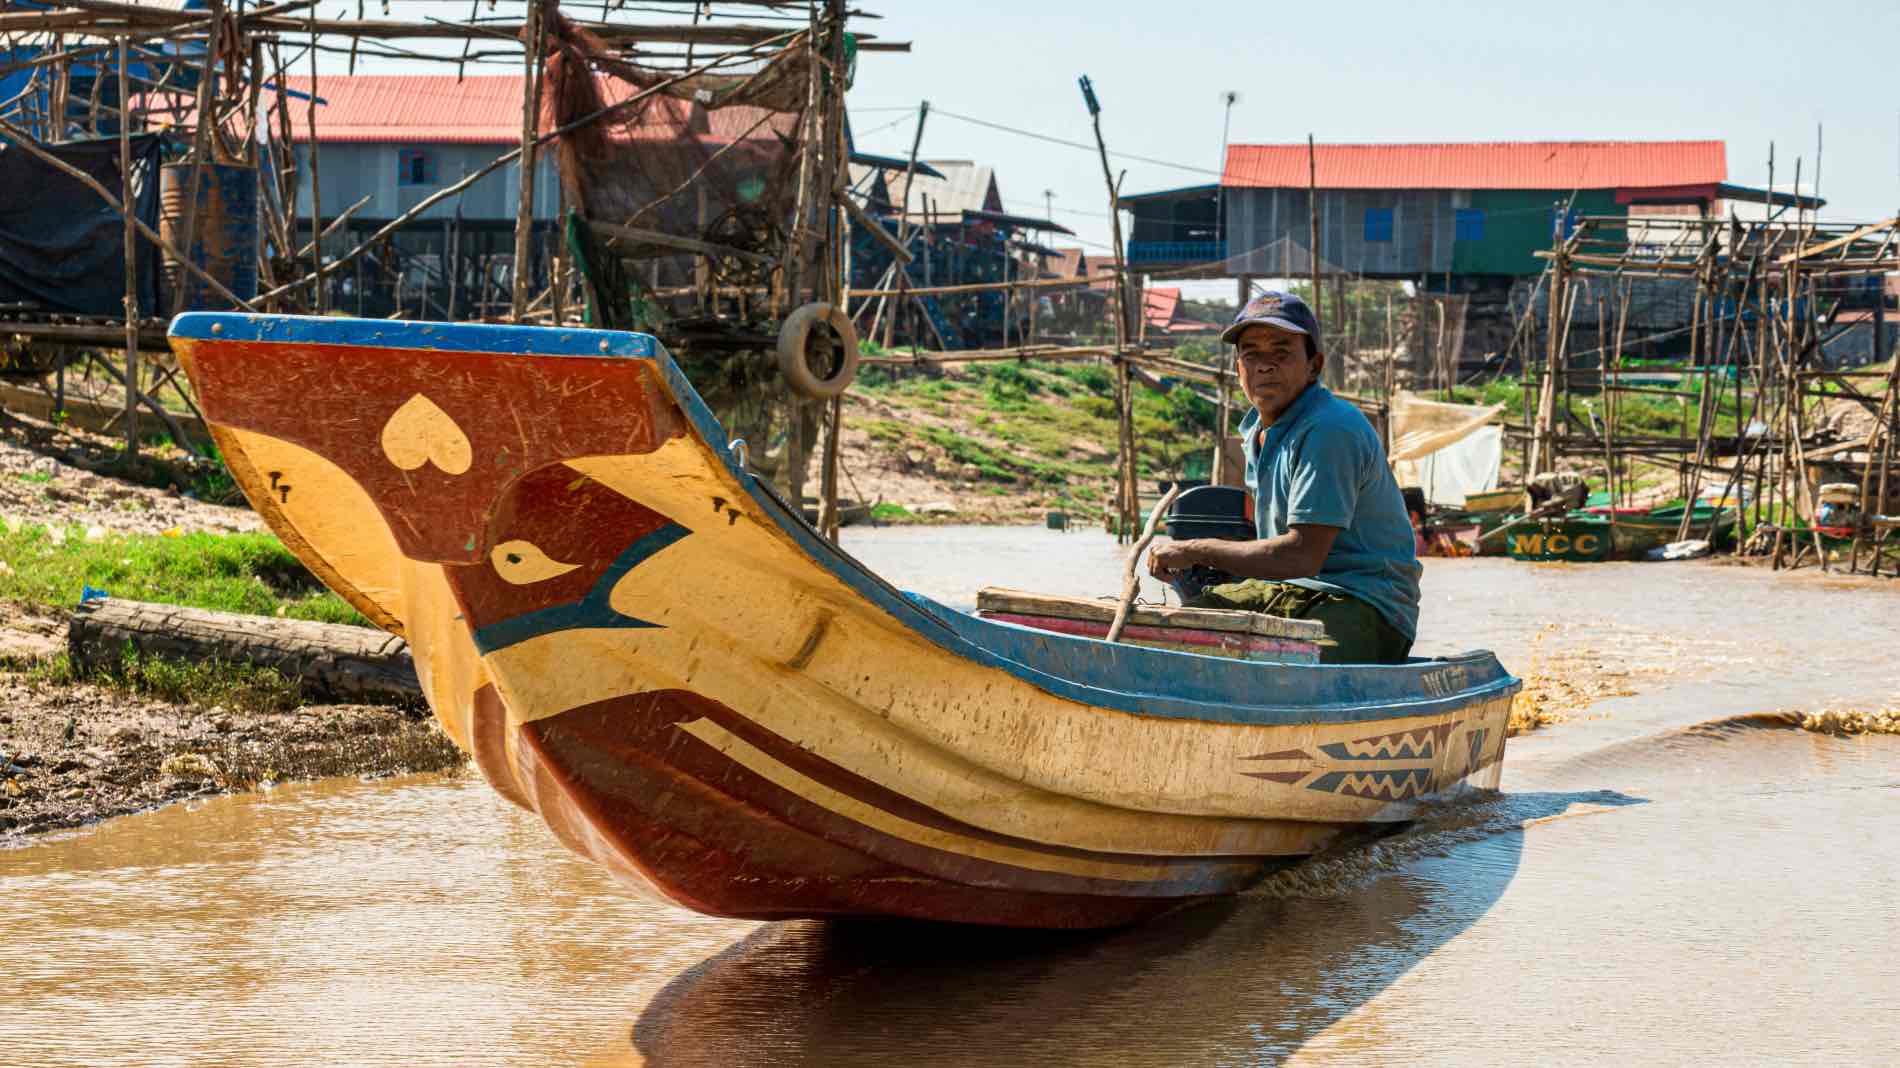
<point x="74" y="754"/>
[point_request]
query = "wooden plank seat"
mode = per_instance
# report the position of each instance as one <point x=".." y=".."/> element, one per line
<point x="1208" y="631"/>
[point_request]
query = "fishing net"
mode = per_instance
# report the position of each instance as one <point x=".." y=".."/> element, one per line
<point x="712" y="159"/>
<point x="681" y="195"/>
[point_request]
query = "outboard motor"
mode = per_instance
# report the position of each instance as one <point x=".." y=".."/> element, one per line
<point x="1208" y="512"/>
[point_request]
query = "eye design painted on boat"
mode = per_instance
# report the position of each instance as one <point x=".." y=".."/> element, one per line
<point x="523" y="562"/>
<point x="420" y="432"/>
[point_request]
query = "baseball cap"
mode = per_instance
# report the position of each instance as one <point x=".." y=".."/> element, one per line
<point x="1274" y="308"/>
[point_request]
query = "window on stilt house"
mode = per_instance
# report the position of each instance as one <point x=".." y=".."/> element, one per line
<point x="415" y="167"/>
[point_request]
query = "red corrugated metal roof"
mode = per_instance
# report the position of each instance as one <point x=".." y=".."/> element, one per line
<point x="1158" y="305"/>
<point x="1497" y="165"/>
<point x="1066" y="263"/>
<point x="484" y="110"/>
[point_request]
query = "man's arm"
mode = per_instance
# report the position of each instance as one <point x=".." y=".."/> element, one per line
<point x="1299" y="553"/>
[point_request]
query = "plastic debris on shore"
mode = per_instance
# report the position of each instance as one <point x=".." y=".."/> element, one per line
<point x="1691" y="549"/>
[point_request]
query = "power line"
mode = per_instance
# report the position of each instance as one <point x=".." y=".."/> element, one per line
<point x="900" y="120"/>
<point x="1072" y="144"/>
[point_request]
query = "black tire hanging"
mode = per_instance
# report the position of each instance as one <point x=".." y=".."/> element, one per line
<point x="795" y="351"/>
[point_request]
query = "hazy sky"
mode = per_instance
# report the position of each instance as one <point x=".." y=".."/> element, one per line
<point x="1383" y="70"/>
<point x="1366" y="70"/>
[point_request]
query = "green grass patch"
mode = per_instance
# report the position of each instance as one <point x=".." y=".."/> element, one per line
<point x="888" y="512"/>
<point x="249" y="573"/>
<point x="40" y="477"/>
<point x="1645" y="414"/>
<point x="201" y="683"/>
<point x="889" y="431"/>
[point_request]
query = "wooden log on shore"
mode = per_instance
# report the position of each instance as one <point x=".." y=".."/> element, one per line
<point x="333" y="661"/>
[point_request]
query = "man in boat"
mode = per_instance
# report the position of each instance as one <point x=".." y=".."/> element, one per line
<point x="1334" y="540"/>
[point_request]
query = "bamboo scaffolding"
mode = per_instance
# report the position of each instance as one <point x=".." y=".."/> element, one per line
<point x="1758" y="317"/>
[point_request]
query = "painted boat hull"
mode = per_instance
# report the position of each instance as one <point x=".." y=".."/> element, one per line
<point x="1584" y="538"/>
<point x="637" y="641"/>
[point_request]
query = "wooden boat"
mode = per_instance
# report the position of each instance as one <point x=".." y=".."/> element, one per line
<point x="644" y="645"/>
<point x="1587" y="536"/>
<point x="1244" y="635"/>
<point x="850" y="512"/>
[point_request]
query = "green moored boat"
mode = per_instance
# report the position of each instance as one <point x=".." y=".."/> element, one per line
<point x="1588" y="535"/>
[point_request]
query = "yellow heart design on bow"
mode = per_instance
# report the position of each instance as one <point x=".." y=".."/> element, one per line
<point x="421" y="432"/>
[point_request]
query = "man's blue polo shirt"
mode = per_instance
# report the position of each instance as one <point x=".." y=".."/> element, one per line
<point x="1322" y="463"/>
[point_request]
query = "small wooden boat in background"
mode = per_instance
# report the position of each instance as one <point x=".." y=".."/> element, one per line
<point x="1589" y="535"/>
<point x="640" y="642"/>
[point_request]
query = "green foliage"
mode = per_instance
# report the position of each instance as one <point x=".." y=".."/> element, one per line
<point x="1094" y="378"/>
<point x="889" y="512"/>
<point x="1187" y="409"/>
<point x="886" y="430"/>
<point x="1636" y="413"/>
<point x="1197" y="350"/>
<point x="874" y="378"/>
<point x="203" y="683"/>
<point x="249" y="573"/>
<point x="38" y="477"/>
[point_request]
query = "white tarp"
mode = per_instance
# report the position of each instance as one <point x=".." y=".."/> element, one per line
<point x="1465" y="467"/>
<point x="1449" y="450"/>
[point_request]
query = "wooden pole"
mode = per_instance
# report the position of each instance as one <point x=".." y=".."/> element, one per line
<point x="316" y="191"/>
<point x="1312" y="232"/>
<point x="1391" y="375"/>
<point x="1609" y="426"/>
<point x="533" y="45"/>
<point x="903" y="222"/>
<point x="1131" y="581"/>
<point x="1127" y="495"/>
<point x="1219" y="467"/>
<point x="1547" y="385"/>
<point x="811" y="133"/>
<point x="126" y="210"/>
<point x="200" y="145"/>
<point x="835" y="278"/>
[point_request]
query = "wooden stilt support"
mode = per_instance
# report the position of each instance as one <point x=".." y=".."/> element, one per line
<point x="127" y="208"/>
<point x="534" y="44"/>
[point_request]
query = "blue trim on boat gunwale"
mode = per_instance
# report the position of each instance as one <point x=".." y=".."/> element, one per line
<point x="491" y="338"/>
<point x="1123" y="678"/>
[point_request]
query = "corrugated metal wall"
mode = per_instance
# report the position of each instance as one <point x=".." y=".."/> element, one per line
<point x="1424" y="228"/>
<point x="348" y="172"/>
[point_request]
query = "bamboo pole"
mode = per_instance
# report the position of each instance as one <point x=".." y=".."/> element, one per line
<point x="316" y="190"/>
<point x="1127" y="494"/>
<point x="1867" y="507"/>
<point x="834" y="279"/>
<point x="1559" y="326"/>
<point x="200" y="143"/>
<point x="903" y="225"/>
<point x="534" y="44"/>
<point x="131" y="264"/>
<point x="1609" y="427"/>
<point x="1218" y="470"/>
<point x="971" y="287"/>
<point x="1312" y="232"/>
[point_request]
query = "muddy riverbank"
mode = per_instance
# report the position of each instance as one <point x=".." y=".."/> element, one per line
<point x="74" y="753"/>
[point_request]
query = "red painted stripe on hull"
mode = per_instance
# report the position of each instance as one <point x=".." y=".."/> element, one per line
<point x="621" y="782"/>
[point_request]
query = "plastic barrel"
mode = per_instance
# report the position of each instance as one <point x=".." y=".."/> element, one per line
<point x="225" y="245"/>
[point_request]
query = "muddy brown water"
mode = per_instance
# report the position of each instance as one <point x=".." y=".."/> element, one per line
<point x="1666" y="880"/>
